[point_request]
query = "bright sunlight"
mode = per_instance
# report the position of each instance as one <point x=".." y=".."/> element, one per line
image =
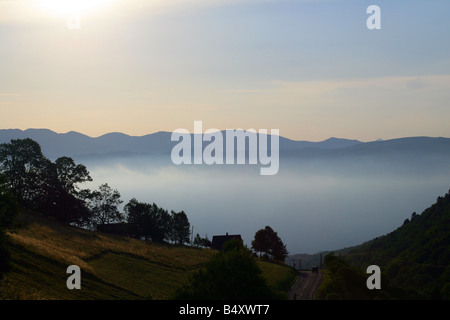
<point x="68" y="7"/>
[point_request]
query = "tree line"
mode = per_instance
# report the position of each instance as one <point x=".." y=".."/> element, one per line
<point x="52" y="189"/>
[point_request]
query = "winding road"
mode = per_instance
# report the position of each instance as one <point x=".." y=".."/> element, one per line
<point x="306" y="285"/>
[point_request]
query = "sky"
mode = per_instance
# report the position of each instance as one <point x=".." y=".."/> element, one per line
<point x="311" y="69"/>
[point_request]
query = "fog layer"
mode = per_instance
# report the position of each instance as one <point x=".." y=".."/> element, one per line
<point x="314" y="204"/>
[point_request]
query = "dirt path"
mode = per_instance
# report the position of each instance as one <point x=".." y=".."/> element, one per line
<point x="306" y="285"/>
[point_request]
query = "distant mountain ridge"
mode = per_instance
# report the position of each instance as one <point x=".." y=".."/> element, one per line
<point x="76" y="144"/>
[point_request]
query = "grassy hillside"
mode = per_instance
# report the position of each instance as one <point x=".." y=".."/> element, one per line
<point x="415" y="258"/>
<point x="112" y="267"/>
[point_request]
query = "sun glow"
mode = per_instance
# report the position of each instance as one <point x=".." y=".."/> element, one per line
<point x="67" y="7"/>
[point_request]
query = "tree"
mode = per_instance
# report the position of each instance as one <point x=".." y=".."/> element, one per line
<point x="202" y="242"/>
<point x="231" y="274"/>
<point x="180" y="227"/>
<point x="25" y="168"/>
<point x="104" y="204"/>
<point x="197" y="241"/>
<point x="66" y="207"/>
<point x="42" y="185"/>
<point x="61" y="197"/>
<point x="262" y="240"/>
<point x="138" y="218"/>
<point x="205" y="242"/>
<point x="70" y="174"/>
<point x="268" y="242"/>
<point x="148" y="221"/>
<point x="279" y="251"/>
<point x="163" y="224"/>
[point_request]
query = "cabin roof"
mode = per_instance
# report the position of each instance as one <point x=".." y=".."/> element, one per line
<point x="219" y="240"/>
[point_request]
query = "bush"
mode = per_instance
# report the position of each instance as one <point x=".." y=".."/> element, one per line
<point x="232" y="274"/>
<point x="342" y="281"/>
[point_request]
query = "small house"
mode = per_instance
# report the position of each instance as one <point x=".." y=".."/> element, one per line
<point x="218" y="241"/>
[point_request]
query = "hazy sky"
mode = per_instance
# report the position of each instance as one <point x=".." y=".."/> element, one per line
<point x="309" y="68"/>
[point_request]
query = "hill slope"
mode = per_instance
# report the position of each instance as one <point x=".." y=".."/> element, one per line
<point x="112" y="267"/>
<point x="416" y="256"/>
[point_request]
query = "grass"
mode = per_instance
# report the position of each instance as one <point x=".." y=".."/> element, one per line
<point x="112" y="267"/>
<point x="279" y="277"/>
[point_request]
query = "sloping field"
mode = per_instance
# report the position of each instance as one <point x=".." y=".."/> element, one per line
<point x="112" y="267"/>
